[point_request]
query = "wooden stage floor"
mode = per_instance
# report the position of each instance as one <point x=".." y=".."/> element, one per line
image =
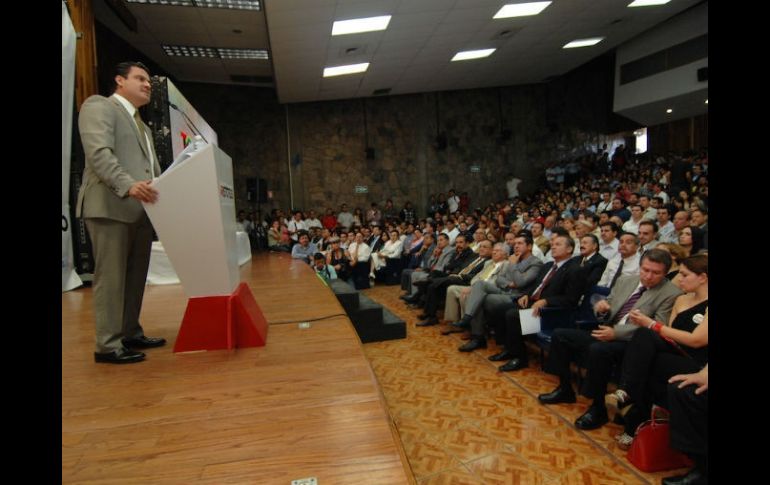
<point x="305" y="405"/>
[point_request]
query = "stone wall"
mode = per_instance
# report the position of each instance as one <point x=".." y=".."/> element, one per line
<point x="497" y="131"/>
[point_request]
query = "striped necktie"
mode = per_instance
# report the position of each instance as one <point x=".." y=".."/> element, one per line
<point x="536" y="295"/>
<point x="629" y="304"/>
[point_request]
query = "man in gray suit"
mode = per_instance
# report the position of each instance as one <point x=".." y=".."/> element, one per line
<point x="120" y="166"/>
<point x="512" y="281"/>
<point x="651" y="293"/>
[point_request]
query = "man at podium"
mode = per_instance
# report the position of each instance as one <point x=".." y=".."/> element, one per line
<point x="120" y="166"/>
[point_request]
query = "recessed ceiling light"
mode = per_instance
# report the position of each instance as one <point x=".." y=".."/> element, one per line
<point x="669" y="111"/>
<point x="342" y="70"/>
<point x="707" y="101"/>
<point x="477" y="54"/>
<point x="647" y="3"/>
<point x="520" y="9"/>
<point x="242" y="53"/>
<point x="190" y="51"/>
<point x="583" y="42"/>
<point x="230" y="4"/>
<point x="355" y="26"/>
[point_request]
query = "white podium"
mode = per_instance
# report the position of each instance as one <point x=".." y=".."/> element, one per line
<point x="194" y="217"/>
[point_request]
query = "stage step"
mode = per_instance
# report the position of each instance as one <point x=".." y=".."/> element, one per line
<point x="372" y="322"/>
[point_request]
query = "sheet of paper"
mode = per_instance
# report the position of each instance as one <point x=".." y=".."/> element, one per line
<point x="529" y="324"/>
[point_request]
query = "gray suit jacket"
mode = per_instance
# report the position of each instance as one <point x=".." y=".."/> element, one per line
<point x="523" y="274"/>
<point x="656" y="302"/>
<point x="446" y="257"/>
<point x="116" y="158"/>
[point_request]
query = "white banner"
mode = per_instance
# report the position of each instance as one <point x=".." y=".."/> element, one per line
<point x="69" y="278"/>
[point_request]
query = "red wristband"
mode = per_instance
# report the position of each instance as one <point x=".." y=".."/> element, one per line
<point x="656" y="327"/>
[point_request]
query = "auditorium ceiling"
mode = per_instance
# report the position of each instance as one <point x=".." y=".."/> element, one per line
<point x="413" y="54"/>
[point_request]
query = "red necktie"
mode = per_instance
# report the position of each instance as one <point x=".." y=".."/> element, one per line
<point x="536" y="295"/>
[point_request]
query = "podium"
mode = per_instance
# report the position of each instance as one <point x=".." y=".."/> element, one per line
<point x="194" y="217"/>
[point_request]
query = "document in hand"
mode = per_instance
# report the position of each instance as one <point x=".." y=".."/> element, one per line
<point x="529" y="324"/>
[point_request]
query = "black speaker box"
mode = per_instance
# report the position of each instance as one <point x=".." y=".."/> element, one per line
<point x="703" y="74"/>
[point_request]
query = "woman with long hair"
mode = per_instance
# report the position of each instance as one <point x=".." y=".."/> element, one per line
<point x="691" y="239"/>
<point x="657" y="351"/>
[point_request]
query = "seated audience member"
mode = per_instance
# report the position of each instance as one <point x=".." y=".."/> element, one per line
<point x="329" y="220"/>
<point x="412" y="250"/>
<point x="625" y="263"/>
<point x="590" y="261"/>
<point x="278" y="238"/>
<point x="325" y="271"/>
<point x="691" y="239"/>
<point x="431" y="256"/>
<point x="304" y="250"/>
<point x="658" y="351"/>
<point x="515" y="279"/>
<point x="688" y="405"/>
<point x="651" y="293"/>
<point x="632" y="225"/>
<point x="456" y="294"/>
<point x="558" y="284"/>
<point x="648" y="232"/>
<point x="678" y="254"/>
<point x="465" y="264"/>
<point x="608" y="240"/>
<point x="358" y="254"/>
<point x="337" y="259"/>
<point x="390" y="250"/>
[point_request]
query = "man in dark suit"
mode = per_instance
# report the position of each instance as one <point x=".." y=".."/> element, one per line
<point x="591" y="262"/>
<point x="120" y="166"/>
<point x="651" y="293"/>
<point x="559" y="284"/>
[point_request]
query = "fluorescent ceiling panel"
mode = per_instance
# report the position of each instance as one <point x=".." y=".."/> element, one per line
<point x="477" y="54"/>
<point x="647" y="3"/>
<point x="355" y="26"/>
<point x="583" y="42"/>
<point x="520" y="9"/>
<point x="342" y="70"/>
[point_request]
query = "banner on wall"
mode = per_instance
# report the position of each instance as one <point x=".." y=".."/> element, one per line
<point x="69" y="278"/>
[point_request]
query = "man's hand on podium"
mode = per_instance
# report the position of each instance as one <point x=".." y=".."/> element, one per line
<point x="143" y="191"/>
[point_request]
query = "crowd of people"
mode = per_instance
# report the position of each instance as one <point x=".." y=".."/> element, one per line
<point x="627" y="235"/>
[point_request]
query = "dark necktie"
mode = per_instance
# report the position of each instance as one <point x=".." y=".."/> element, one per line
<point x="617" y="274"/>
<point x="583" y="262"/>
<point x="629" y="304"/>
<point x="536" y="295"/>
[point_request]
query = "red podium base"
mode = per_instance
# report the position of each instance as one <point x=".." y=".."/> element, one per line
<point x="222" y="322"/>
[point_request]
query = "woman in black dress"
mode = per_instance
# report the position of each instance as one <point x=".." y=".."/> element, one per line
<point x="657" y="351"/>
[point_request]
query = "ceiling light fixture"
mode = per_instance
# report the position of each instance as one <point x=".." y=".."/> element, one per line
<point x="356" y="26"/>
<point x="520" y="9"/>
<point x="707" y="102"/>
<point x="342" y="70"/>
<point x="475" y="54"/>
<point x="669" y="111"/>
<point x="583" y="42"/>
<point x="647" y="3"/>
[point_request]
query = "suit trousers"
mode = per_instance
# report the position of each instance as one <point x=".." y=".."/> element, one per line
<point x="406" y="280"/>
<point x="416" y="276"/>
<point x="570" y="344"/>
<point x="436" y="291"/>
<point x="495" y="307"/>
<point x="122" y="258"/>
<point x="514" y="340"/>
<point x="454" y="306"/>
<point x="688" y="422"/>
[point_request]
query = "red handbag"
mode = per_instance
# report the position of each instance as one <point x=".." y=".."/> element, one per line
<point x="651" y="451"/>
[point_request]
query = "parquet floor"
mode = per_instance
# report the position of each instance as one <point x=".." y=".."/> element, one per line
<point x="462" y="422"/>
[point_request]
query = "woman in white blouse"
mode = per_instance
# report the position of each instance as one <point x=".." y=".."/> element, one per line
<point x="391" y="249"/>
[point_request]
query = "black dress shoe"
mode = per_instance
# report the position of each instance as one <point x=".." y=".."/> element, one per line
<point x="124" y="356"/>
<point x="423" y="316"/>
<point x="428" y="323"/>
<point x="144" y="342"/>
<point x="693" y="477"/>
<point x="557" y="396"/>
<point x="514" y="364"/>
<point x="410" y="299"/>
<point x="462" y="323"/>
<point x="592" y="419"/>
<point x="504" y="355"/>
<point x="473" y="344"/>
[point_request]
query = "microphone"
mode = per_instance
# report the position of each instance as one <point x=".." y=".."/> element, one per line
<point x="188" y="120"/>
